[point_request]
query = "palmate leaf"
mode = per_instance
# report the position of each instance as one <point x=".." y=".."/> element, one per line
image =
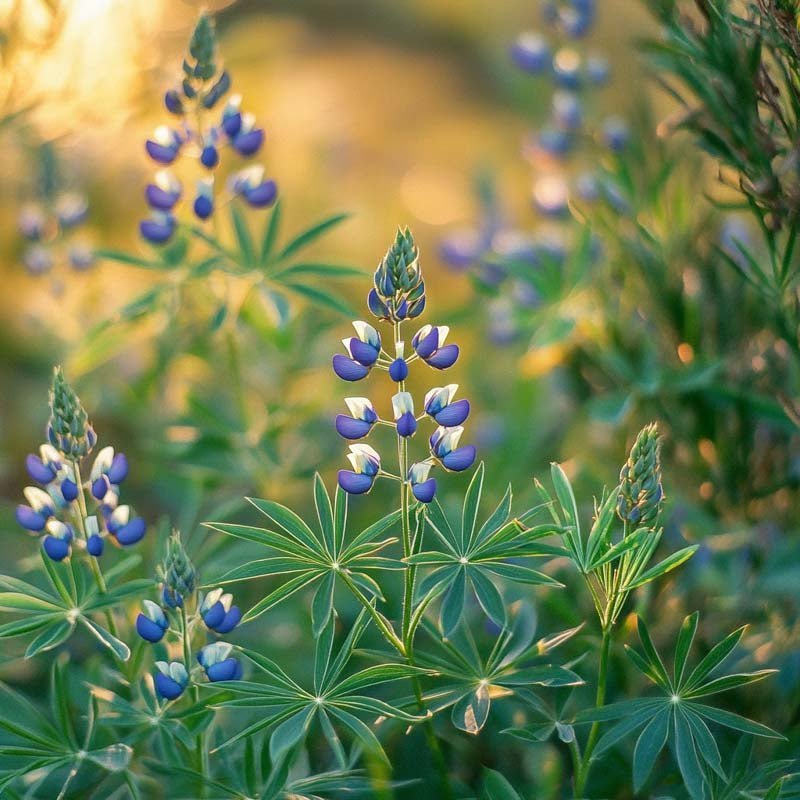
<point x="53" y="744"/>
<point x="312" y="556"/>
<point x="515" y="662"/>
<point x="290" y="709"/>
<point x="676" y="718"/>
<point x="54" y="613"/>
<point x="472" y="558"/>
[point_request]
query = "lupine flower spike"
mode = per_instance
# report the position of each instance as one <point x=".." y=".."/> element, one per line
<point x="641" y="493"/>
<point x="397" y="296"/>
<point x="195" y="136"/>
<point x="60" y="507"/>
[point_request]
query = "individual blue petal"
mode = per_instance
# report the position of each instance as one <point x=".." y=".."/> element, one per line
<point x="425" y="491"/>
<point x="95" y="545"/>
<point x="454" y="414"/>
<point x="227" y="670"/>
<point x="214" y="615"/>
<point x="263" y="195"/>
<point x="376" y="305"/>
<point x="100" y="487"/>
<point x="203" y="206"/>
<point x="149" y="631"/>
<point x="398" y="370"/>
<point x="156" y="231"/>
<point x="166" y="687"/>
<point x="132" y="532"/>
<point x="118" y="470"/>
<point x="350" y="428"/>
<point x="248" y="143"/>
<point x="38" y="470"/>
<point x="69" y="490"/>
<point x="407" y="424"/>
<point x="30" y="519"/>
<point x="173" y="103"/>
<point x="231" y="620"/>
<point x="428" y="344"/>
<point x="362" y="352"/>
<point x="164" y="154"/>
<point x="347" y="369"/>
<point x="159" y="198"/>
<point x="417" y="307"/>
<point x="209" y="158"/>
<point x="57" y="549"/>
<point x="444" y="357"/>
<point x="460" y="459"/>
<point x="232" y="123"/>
<point x="355" y="482"/>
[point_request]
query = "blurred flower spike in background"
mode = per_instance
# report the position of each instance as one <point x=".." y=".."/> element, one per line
<point x="204" y="130"/>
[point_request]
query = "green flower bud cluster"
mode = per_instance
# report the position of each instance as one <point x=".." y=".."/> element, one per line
<point x="69" y="429"/>
<point x="399" y="291"/>
<point x="641" y="493"/>
<point x="177" y="572"/>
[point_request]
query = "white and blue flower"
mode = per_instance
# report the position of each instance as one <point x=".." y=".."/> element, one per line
<point x="218" y="663"/>
<point x="170" y="679"/>
<point x="218" y="613"/>
<point x="152" y="623"/>
<point x="164" y="192"/>
<point x="361" y="420"/>
<point x="404" y="419"/>
<point x="440" y="406"/>
<point x="251" y="186"/>
<point x="444" y="448"/>
<point x="366" y="465"/>
<point x="429" y="344"/>
<point x="363" y="350"/>
<point x="57" y="540"/>
<point x="165" y="145"/>
<point x="423" y="487"/>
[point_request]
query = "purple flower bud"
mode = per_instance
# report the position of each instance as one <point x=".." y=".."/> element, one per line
<point x="203" y="206"/>
<point x="95" y="545"/>
<point x="57" y="549"/>
<point x="398" y="370"/>
<point x="173" y="102"/>
<point x="407" y="425"/>
<point x="209" y="158"/>
<point x="69" y="490"/>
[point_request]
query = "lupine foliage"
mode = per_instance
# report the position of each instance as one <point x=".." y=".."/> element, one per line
<point x="415" y="627"/>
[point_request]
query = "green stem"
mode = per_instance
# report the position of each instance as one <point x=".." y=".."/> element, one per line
<point x="201" y="752"/>
<point x="383" y="625"/>
<point x="97" y="574"/>
<point x="586" y="762"/>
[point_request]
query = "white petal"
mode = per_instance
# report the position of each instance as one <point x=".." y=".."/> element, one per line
<point x="402" y="403"/>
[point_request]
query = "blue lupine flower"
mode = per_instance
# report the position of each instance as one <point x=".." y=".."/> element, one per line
<point x="444" y="447"/>
<point x="41" y="508"/>
<point x="158" y="228"/>
<point x="249" y="184"/>
<point x="218" y="664"/>
<point x="359" y="423"/>
<point x="152" y="624"/>
<point x="232" y="116"/>
<point x="125" y="530"/>
<point x="209" y="156"/>
<point x="366" y="466"/>
<point x="72" y="208"/>
<point x="81" y="256"/>
<point x="615" y="133"/>
<point x="170" y="679"/>
<point x="57" y="541"/>
<point x="248" y="139"/>
<point x="567" y="110"/>
<point x="164" y="146"/>
<point x="429" y="344"/>
<point x="203" y="205"/>
<point x="38" y="259"/>
<point x="531" y="52"/>
<point x="461" y="249"/>
<point x="403" y="407"/>
<point x="398" y="369"/>
<point x="218" y="613"/>
<point x="555" y="142"/>
<point x="440" y="406"/>
<point x="363" y="349"/>
<point x="45" y="467"/>
<point x="32" y="221"/>
<point x="173" y="102"/>
<point x="567" y="68"/>
<point x="170" y="597"/>
<point x="164" y="192"/>
<point x="422" y="487"/>
<point x="95" y="545"/>
<point x="113" y="466"/>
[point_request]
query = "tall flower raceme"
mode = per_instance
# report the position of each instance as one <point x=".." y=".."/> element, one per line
<point x="211" y="126"/>
<point x="519" y="265"/>
<point x="397" y="299"/>
<point x="69" y="509"/>
<point x="74" y="508"/>
<point x="182" y="614"/>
